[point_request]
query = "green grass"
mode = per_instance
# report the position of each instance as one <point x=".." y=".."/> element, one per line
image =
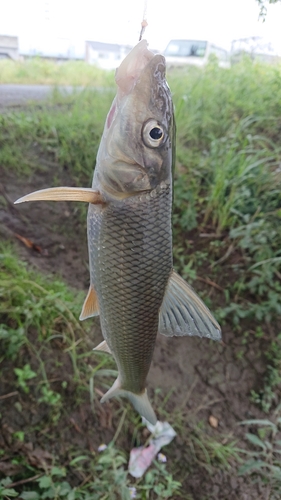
<point x="54" y="372"/>
<point x="29" y="301"/>
<point x="227" y="213"/>
<point x="39" y="336"/>
<point x="66" y="129"/>
<point x="263" y="463"/>
<point x="40" y="71"/>
<point x="228" y="139"/>
<point x="228" y="176"/>
<point x="267" y="396"/>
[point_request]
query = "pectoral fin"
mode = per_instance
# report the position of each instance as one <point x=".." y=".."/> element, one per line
<point x="64" y="194"/>
<point x="103" y="347"/>
<point x="90" y="307"/>
<point x="184" y="313"/>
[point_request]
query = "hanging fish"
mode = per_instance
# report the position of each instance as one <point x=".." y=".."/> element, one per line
<point x="133" y="286"/>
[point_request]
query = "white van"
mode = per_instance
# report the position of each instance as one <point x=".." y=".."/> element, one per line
<point x="195" y="52"/>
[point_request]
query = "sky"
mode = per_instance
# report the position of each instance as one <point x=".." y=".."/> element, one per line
<point x="63" y="23"/>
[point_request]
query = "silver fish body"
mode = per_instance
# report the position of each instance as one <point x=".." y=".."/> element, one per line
<point x="130" y="237"/>
<point x="132" y="283"/>
<point x="130" y="247"/>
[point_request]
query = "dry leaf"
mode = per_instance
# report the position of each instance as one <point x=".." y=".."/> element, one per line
<point x="213" y="421"/>
<point x="75" y="425"/>
<point x="9" y="469"/>
<point x="40" y="458"/>
<point x="29" y="244"/>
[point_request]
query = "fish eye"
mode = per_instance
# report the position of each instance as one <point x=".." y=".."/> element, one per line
<point x="156" y="133"/>
<point x="153" y="134"/>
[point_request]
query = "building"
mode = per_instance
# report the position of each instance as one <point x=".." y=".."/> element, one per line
<point x="105" y="55"/>
<point x="9" y="47"/>
<point x="53" y="48"/>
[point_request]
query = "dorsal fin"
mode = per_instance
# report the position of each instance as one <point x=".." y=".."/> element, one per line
<point x="184" y="313"/>
<point x="91" y="306"/>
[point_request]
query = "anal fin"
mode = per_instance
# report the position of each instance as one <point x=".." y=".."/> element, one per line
<point x="103" y="347"/>
<point x="184" y="313"/>
<point x="90" y="307"/>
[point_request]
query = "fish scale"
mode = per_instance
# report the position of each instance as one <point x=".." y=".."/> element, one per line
<point x="130" y="277"/>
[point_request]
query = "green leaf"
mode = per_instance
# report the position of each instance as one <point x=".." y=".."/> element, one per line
<point x="30" y="495"/>
<point x="277" y="474"/>
<point x="50" y="493"/>
<point x="78" y="459"/>
<point x="45" y="482"/>
<point x="6" y="481"/>
<point x="255" y="440"/>
<point x="57" y="471"/>
<point x="65" y="488"/>
<point x="251" y="465"/>
<point x="71" y="495"/>
<point x="9" y="492"/>
<point x="257" y="422"/>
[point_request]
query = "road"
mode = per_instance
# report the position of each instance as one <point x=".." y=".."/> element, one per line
<point x="17" y="95"/>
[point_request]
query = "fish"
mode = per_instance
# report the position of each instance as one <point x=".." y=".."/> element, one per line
<point x="133" y="285"/>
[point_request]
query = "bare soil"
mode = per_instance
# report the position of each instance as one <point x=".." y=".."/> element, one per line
<point x="206" y="378"/>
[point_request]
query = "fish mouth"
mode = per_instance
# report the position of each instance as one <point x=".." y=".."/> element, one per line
<point x="131" y="68"/>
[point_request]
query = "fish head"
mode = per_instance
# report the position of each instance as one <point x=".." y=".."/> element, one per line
<point x="135" y="153"/>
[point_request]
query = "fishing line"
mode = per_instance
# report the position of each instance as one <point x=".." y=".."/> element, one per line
<point x="144" y="22"/>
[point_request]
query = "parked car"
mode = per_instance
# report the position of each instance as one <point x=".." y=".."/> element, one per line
<point x="195" y="52"/>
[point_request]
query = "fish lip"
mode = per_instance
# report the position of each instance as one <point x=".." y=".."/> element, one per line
<point x="132" y="66"/>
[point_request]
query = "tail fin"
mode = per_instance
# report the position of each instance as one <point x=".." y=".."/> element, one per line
<point x="139" y="401"/>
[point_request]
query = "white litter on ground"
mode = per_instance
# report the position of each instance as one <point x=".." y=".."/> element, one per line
<point x="162" y="433"/>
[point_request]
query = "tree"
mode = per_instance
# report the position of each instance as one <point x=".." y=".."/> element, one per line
<point x="263" y="7"/>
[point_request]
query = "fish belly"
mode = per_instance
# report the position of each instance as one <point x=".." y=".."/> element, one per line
<point x="130" y="248"/>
